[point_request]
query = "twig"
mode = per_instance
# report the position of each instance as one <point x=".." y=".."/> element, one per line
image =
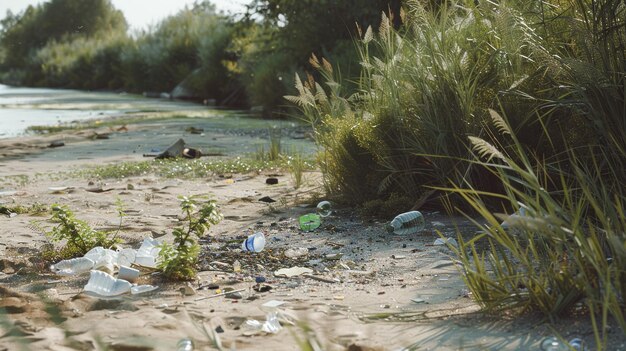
<point x="321" y="279"/>
<point x="220" y="294"/>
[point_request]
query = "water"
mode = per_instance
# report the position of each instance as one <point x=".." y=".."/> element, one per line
<point x="227" y="132"/>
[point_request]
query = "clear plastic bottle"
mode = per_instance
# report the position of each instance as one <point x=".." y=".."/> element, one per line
<point x="324" y="209"/>
<point x="184" y="345"/>
<point x="555" y="344"/>
<point x="296" y="252"/>
<point x="236" y="266"/>
<point x="73" y="266"/>
<point x="407" y="223"/>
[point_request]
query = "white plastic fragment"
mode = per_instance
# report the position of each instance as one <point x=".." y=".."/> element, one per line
<point x="104" y="259"/>
<point x="140" y="289"/>
<point x="292" y="272"/>
<point x="271" y="324"/>
<point x="148" y="253"/>
<point x="73" y="266"/>
<point x="103" y="284"/>
<point x="444" y="241"/>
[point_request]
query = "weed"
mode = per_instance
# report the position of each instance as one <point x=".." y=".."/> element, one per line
<point x="297" y="166"/>
<point x="178" y="261"/>
<point x="79" y="236"/>
<point x="567" y="246"/>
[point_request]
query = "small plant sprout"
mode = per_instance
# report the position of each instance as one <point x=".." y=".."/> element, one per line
<point x="79" y="235"/>
<point x="178" y="260"/>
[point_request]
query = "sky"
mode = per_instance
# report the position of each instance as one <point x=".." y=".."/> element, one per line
<point x="139" y="13"/>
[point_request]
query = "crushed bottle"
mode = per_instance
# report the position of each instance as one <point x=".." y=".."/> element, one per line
<point x="73" y="266"/>
<point x="310" y="222"/>
<point x="407" y="223"/>
<point x="324" y="209"/>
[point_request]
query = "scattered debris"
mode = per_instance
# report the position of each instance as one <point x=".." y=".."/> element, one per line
<point x="187" y="290"/>
<point x="103" y="284"/>
<point x="56" y="143"/>
<point x="292" y="272"/>
<point x="296" y="252"/>
<point x="444" y="241"/>
<point x="309" y="222"/>
<point x="270" y="326"/>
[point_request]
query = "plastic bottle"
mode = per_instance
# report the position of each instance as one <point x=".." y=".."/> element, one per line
<point x="555" y="344"/>
<point x="73" y="266"/>
<point x="254" y="243"/>
<point x="236" y="266"/>
<point x="184" y="345"/>
<point x="407" y="223"/>
<point x="310" y="222"/>
<point x="323" y="209"/>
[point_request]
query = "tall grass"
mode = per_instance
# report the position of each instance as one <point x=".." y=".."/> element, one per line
<point x="422" y="89"/>
<point x="556" y="71"/>
<point x="567" y="247"/>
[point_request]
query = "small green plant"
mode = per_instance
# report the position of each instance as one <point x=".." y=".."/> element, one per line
<point x="297" y="165"/>
<point x="178" y="260"/>
<point x="79" y="236"/>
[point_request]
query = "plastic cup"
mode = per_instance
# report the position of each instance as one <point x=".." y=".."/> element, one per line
<point x="254" y="243"/>
<point x="127" y="273"/>
<point x="324" y="209"/>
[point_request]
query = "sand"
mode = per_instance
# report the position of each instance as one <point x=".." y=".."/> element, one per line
<point x="384" y="293"/>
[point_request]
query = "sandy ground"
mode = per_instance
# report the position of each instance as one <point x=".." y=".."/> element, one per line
<point x="383" y="293"/>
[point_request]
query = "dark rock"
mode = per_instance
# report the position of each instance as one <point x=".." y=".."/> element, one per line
<point x="271" y="181"/>
<point x="219" y="329"/>
<point x="56" y="143"/>
<point x="267" y="199"/>
<point x="234" y="296"/>
<point x="262" y="288"/>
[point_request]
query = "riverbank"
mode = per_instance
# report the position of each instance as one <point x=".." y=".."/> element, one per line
<point x="367" y="290"/>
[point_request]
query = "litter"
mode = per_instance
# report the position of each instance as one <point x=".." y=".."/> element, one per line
<point x="140" y="289"/>
<point x="127" y="273"/>
<point x="270" y="326"/>
<point x="297" y="252"/>
<point x="444" y="241"/>
<point x="73" y="266"/>
<point x="292" y="272"/>
<point x="254" y="243"/>
<point x="103" y="284"/>
<point x="148" y="253"/>
<point x="407" y="223"/>
<point x="323" y="209"/>
<point x="310" y="222"/>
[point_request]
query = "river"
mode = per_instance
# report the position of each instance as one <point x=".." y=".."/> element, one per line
<point x="222" y="131"/>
